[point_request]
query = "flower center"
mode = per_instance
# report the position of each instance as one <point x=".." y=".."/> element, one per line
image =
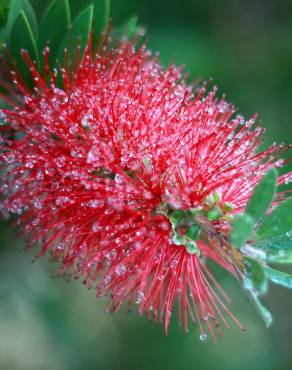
<point x="189" y="226"/>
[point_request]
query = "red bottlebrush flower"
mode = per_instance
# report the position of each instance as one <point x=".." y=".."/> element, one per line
<point x="129" y="178"/>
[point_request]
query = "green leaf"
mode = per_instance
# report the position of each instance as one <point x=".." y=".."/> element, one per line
<point x="100" y="16"/>
<point x="277" y="223"/>
<point x="176" y="216"/>
<point x="281" y="242"/>
<point x="22" y="38"/>
<point x="279" y="256"/>
<point x="4" y="8"/>
<point x="279" y="277"/>
<point x="78" y="34"/>
<point x="54" y="26"/>
<point x="193" y="232"/>
<point x="263" y="195"/>
<point x="16" y="7"/>
<point x="256" y="274"/>
<point x="214" y="214"/>
<point x="241" y="229"/>
<point x="261" y="309"/>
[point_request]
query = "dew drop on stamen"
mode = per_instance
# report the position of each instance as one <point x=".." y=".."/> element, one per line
<point x="203" y="337"/>
<point x="95" y="227"/>
<point x="120" y="269"/>
<point x="93" y="155"/>
<point x="119" y="179"/>
<point x="140" y="297"/>
<point x="60" y="95"/>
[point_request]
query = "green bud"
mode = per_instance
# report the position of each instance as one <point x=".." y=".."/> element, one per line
<point x="193" y="232"/>
<point x="195" y="211"/>
<point x="214" y="214"/>
<point x="209" y="200"/>
<point x="228" y="207"/>
<point x="176" y="216"/>
<point x="217" y="196"/>
<point x="228" y="218"/>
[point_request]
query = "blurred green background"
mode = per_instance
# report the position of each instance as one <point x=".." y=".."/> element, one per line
<point x="50" y="324"/>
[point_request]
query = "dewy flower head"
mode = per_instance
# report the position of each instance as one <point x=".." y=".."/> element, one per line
<point x="130" y="178"/>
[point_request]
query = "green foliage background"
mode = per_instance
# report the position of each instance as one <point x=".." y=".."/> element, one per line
<point x="50" y="324"/>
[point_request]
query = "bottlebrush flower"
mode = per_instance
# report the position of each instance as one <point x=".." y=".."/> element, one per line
<point x="130" y="178"/>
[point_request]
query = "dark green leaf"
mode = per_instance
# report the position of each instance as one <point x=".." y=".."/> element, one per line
<point x="100" y="16"/>
<point x="15" y="7"/>
<point x="262" y="196"/>
<point x="4" y="8"/>
<point x="22" y="38"/>
<point x="277" y="223"/>
<point x="241" y="230"/>
<point x="279" y="277"/>
<point x="78" y="34"/>
<point x="256" y="274"/>
<point x="54" y="26"/>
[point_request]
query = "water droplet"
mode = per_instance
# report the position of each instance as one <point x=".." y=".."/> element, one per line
<point x="95" y="203"/>
<point x="140" y="297"/>
<point x="38" y="204"/>
<point x="60" y="201"/>
<point x="119" y="179"/>
<point x="61" y="246"/>
<point x="279" y="163"/>
<point x="50" y="171"/>
<point x="203" y="337"/>
<point x="9" y="157"/>
<point x="107" y="279"/>
<point x="86" y="121"/>
<point x="93" y="155"/>
<point x="120" y="269"/>
<point x="60" y="95"/>
<point x="96" y="227"/>
<point x="60" y="162"/>
<point x="40" y="175"/>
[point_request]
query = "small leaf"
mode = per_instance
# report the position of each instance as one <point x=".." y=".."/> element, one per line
<point x="278" y="222"/>
<point x="192" y="248"/>
<point x="256" y="274"/>
<point x="241" y="229"/>
<point x="22" y="38"/>
<point x="78" y="34"/>
<point x="261" y="309"/>
<point x="100" y="16"/>
<point x="262" y="196"/>
<point x="15" y="7"/>
<point x="214" y="214"/>
<point x="279" y="277"/>
<point x="54" y="26"/>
